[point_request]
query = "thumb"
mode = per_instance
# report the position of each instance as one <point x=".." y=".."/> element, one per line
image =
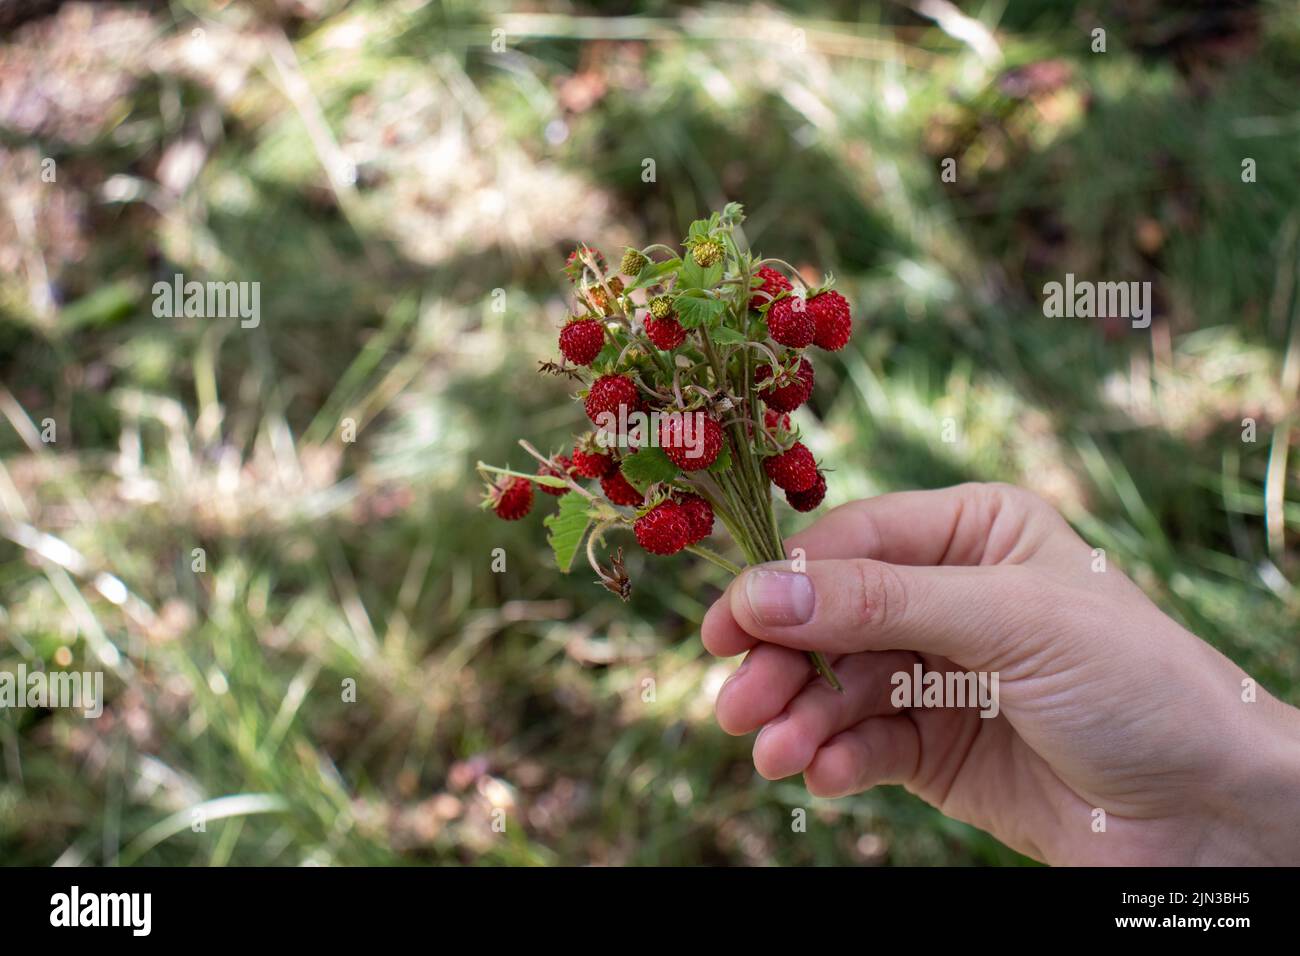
<point x="971" y="615"/>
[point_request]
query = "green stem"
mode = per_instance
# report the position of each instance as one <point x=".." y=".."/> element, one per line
<point x="715" y="558"/>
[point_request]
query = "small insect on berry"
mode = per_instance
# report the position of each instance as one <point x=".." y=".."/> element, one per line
<point x="790" y="323"/>
<point x="834" y="320"/>
<point x="511" y="498"/>
<point x="581" y="340"/>
<point x="612" y="397"/>
<point x="664" y="529"/>
<point x="699" y="515"/>
<point x="793" y="470"/>
<point x="810" y="499"/>
<point x="790" y="395"/>
<point x="632" y="264"/>
<point x="619" y="490"/>
<point x="666" y="333"/>
<point x="691" y="440"/>
<point x="560" y="468"/>
<point x="708" y="252"/>
<point x="773" y="284"/>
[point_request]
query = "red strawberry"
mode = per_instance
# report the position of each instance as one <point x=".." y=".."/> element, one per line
<point x="565" y="465"/>
<point x="793" y="470"/>
<point x="810" y="499"/>
<point x="619" y="490"/>
<point x="773" y="284"/>
<point x="788" y="397"/>
<point x="664" y="529"/>
<point x="776" y="420"/>
<point x="834" y="321"/>
<point x="590" y="461"/>
<point x="511" y="498"/>
<point x="581" y="340"/>
<point x="614" y="395"/>
<point x="790" y="323"/>
<point x="699" y="515"/>
<point x="666" y="333"/>
<point x="691" y="440"/>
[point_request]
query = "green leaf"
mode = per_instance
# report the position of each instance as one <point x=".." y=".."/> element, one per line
<point x="727" y="336"/>
<point x="648" y="466"/>
<point x="654" y="272"/>
<point x="694" y="276"/>
<point x="723" y="461"/>
<point x="700" y="228"/>
<point x="694" y="311"/>
<point x="566" y="528"/>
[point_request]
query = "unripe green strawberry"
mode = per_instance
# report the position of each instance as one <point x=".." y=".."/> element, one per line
<point x="632" y="264"/>
<point x="661" y="307"/>
<point x="708" y="252"/>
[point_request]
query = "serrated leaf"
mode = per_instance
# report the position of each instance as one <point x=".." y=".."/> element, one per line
<point x="566" y="528"/>
<point x="727" y="336"/>
<point x="694" y="311"/>
<point x="655" y="272"/>
<point x="700" y="228"/>
<point x="723" y="461"/>
<point x="648" y="466"/>
<point x="694" y="276"/>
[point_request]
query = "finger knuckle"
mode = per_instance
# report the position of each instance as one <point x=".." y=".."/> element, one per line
<point x="881" y="598"/>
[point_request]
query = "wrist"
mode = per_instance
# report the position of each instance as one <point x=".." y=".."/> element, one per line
<point x="1253" y="813"/>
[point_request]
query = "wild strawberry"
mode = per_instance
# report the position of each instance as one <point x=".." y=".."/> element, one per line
<point x="691" y="440"/>
<point x="582" y="339"/>
<point x="810" y="499"/>
<point x="792" y="394"/>
<point x="614" y="395"/>
<point x="590" y="460"/>
<point x="511" y="498"/>
<point x="598" y="299"/>
<point x="666" y="333"/>
<point x="773" y="284"/>
<point x="699" y="515"/>
<point x="708" y="252"/>
<point x="790" y="323"/>
<point x="664" y="529"/>
<point x="834" y="321"/>
<point x="793" y="470"/>
<point x="776" y="420"/>
<point x="560" y="468"/>
<point x="619" y="490"/>
<point x="661" y="307"/>
<point x="632" y="264"/>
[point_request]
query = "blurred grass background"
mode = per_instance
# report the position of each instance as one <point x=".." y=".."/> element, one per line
<point x="381" y="169"/>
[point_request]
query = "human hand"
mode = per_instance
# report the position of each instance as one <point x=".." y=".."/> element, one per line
<point x="1105" y="703"/>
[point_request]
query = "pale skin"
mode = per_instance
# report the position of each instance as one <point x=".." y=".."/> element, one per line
<point x="1106" y="703"/>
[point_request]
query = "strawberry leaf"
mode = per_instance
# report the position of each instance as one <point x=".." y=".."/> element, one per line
<point x="726" y="336"/>
<point x="566" y="528"/>
<point x="723" y="461"/>
<point x="695" y="310"/>
<point x="654" y="272"/>
<point x="695" y="276"/>
<point x="648" y="466"/>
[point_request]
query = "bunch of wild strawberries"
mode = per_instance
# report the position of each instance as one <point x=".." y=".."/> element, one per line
<point x="690" y="363"/>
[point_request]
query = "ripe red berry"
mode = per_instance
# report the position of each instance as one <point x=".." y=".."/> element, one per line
<point x="581" y="340"/>
<point x="787" y="397"/>
<point x="793" y="470"/>
<point x="589" y="462"/>
<point x="664" y="529"/>
<point x="512" y="498"/>
<point x="614" y="395"/>
<point x="773" y="284"/>
<point x="619" y="490"/>
<point x="834" y="321"/>
<point x="699" y="516"/>
<point x="776" y="420"/>
<point x="691" y="440"/>
<point x="790" y="323"/>
<point x="562" y="471"/>
<point x="666" y="333"/>
<point x="810" y="499"/>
